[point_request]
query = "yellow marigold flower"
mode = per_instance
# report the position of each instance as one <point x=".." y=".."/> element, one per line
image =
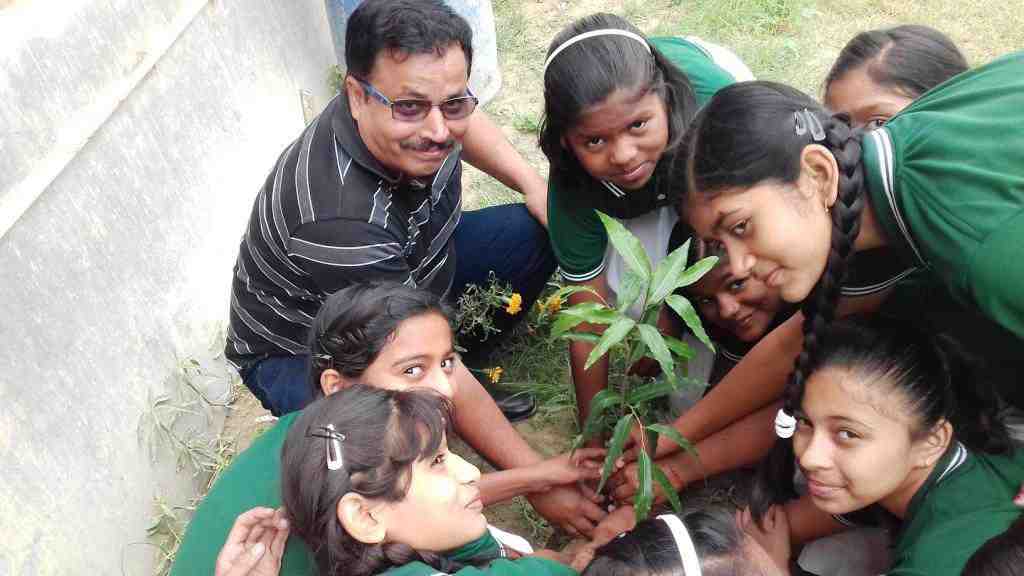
<point x="515" y="304"/>
<point x="494" y="374"/>
<point x="554" y="304"/>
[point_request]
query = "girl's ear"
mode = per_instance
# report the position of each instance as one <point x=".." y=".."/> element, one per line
<point x="819" y="174"/>
<point x="933" y="446"/>
<point x="332" y="381"/>
<point x="357" y="517"/>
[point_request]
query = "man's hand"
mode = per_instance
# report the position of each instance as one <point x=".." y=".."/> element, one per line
<point x="255" y="545"/>
<point x="568" y="507"/>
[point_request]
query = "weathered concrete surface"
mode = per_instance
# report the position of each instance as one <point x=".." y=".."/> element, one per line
<point x="134" y="135"/>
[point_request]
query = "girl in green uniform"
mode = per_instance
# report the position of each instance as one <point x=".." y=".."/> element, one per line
<point x="616" y="105"/>
<point x="371" y="488"/>
<point x="893" y="421"/>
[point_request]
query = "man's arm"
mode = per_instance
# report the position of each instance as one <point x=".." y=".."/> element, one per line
<point x="486" y="148"/>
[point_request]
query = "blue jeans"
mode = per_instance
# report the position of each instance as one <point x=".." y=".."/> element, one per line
<point x="508" y="241"/>
<point x="503" y="239"/>
<point x="280" y="383"/>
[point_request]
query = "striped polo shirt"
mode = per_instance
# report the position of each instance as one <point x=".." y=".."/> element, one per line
<point x="330" y="215"/>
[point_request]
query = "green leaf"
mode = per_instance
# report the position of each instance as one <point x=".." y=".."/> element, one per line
<point x="685" y="310"/>
<point x="674" y="435"/>
<point x="563" y="324"/>
<point x="629" y="290"/>
<point x="695" y="272"/>
<point x="668" y="489"/>
<point x="583" y="337"/>
<point x="644" y="496"/>
<point x="639" y="351"/>
<point x="656" y="344"/>
<point x="628" y="246"/>
<point x="612" y="336"/>
<point x="591" y="312"/>
<point x="668" y="274"/>
<point x="679" y="348"/>
<point x="649" y="392"/>
<point x="619" y="437"/>
<point x="599" y="404"/>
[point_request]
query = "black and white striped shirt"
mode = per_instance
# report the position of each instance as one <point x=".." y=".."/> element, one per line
<point x="330" y="215"/>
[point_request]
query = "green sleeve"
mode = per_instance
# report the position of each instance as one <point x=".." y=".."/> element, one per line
<point x="705" y="75"/>
<point x="578" y="238"/>
<point x="252" y="479"/>
<point x="527" y="566"/>
<point x="997" y="276"/>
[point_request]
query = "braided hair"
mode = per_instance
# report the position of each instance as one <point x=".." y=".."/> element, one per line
<point x="384" y="433"/>
<point x="354" y="324"/>
<point x="753" y="132"/>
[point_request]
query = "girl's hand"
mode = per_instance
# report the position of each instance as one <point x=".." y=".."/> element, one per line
<point x="624" y="483"/>
<point x="773" y="537"/>
<point x="619" y="521"/>
<point x="255" y="545"/>
<point x="570" y="468"/>
<point x="629" y="450"/>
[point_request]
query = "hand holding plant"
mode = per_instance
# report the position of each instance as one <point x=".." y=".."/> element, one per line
<point x="627" y="407"/>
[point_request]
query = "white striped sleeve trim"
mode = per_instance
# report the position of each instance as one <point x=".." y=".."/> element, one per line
<point x="723" y="57"/>
<point x="885" y="160"/>
<point x="584" y="276"/>
<point x="303" y="190"/>
<point x="877" y="287"/>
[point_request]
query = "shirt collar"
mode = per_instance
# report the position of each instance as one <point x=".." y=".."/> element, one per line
<point x="951" y="459"/>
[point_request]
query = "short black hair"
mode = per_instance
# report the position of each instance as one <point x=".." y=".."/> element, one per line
<point x="405" y="26"/>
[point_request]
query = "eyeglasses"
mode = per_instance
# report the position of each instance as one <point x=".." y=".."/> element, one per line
<point x="414" y="109"/>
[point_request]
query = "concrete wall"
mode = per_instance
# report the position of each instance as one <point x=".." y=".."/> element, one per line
<point x="134" y="135"/>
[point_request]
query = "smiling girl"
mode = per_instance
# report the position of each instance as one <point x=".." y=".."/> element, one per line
<point x="371" y="488"/>
<point x="893" y="420"/>
<point x="616" y="106"/>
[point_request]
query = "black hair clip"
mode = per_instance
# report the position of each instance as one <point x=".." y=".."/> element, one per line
<point x="804" y="120"/>
<point x="335" y="461"/>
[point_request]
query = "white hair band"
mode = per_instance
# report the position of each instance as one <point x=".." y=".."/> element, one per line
<point x="687" y="551"/>
<point x="591" y="34"/>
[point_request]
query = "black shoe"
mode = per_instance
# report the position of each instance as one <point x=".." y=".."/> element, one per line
<point x="515" y="406"/>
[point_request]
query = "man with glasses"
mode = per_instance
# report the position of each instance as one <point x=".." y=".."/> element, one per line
<point x="371" y="190"/>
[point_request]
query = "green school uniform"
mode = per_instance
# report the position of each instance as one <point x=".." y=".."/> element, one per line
<point x="577" y="235"/>
<point x="253" y="479"/>
<point x="945" y="178"/>
<point x="487" y="556"/>
<point x="967" y="499"/>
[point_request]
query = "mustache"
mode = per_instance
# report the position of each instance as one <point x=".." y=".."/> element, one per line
<point x="427" y="145"/>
